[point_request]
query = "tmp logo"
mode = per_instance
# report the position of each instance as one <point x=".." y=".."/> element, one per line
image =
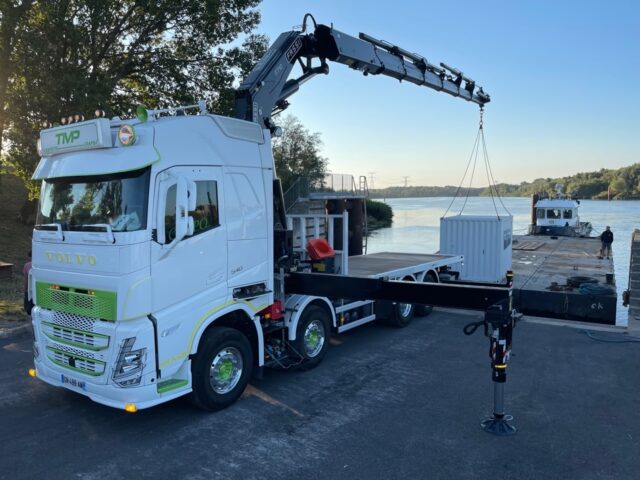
<point x="65" y="138"/>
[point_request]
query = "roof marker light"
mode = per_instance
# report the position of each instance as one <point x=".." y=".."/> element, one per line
<point x="142" y="113"/>
<point x="130" y="407"/>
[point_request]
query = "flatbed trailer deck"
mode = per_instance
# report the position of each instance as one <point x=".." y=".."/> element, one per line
<point x="397" y="265"/>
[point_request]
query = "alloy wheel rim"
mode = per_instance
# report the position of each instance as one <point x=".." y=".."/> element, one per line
<point x="226" y="370"/>
<point x="314" y="338"/>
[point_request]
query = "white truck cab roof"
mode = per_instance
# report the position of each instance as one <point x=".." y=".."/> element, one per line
<point x="94" y="147"/>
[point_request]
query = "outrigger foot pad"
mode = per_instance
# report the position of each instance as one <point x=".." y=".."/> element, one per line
<point x="499" y="425"/>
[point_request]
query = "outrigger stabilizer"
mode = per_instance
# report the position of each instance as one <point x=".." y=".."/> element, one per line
<point x="495" y="300"/>
<point x="499" y="321"/>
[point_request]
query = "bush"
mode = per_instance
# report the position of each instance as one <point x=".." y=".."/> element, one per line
<point x="379" y="214"/>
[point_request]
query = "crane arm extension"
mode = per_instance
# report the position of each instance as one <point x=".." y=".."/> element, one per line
<point x="266" y="88"/>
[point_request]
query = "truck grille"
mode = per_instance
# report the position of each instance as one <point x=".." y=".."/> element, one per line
<point x="69" y="358"/>
<point x="89" y="303"/>
<point x="75" y="342"/>
<point x="71" y="336"/>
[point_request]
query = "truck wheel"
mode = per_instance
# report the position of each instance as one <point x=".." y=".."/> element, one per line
<point x="424" y="310"/>
<point x="312" y="336"/>
<point x="221" y="369"/>
<point x="401" y="315"/>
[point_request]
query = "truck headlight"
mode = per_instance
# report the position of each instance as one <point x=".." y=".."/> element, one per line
<point x="130" y="363"/>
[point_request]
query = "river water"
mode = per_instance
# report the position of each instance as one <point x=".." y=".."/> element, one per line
<point x="416" y="224"/>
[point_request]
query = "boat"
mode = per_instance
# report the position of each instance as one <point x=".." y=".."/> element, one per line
<point x="557" y="216"/>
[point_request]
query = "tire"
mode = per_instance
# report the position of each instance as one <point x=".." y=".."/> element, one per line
<point x="424" y="310"/>
<point x="401" y="315"/>
<point x="221" y="369"/>
<point x="312" y="336"/>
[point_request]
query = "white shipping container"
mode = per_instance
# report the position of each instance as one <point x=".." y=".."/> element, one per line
<point x="485" y="242"/>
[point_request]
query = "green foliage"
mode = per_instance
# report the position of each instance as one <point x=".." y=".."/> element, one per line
<point x="61" y="57"/>
<point x="416" y="192"/>
<point x="379" y="214"/>
<point x="297" y="153"/>
<point x="623" y="182"/>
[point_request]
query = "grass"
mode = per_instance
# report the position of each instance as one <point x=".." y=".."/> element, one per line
<point x="15" y="244"/>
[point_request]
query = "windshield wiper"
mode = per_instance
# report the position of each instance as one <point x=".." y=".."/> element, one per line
<point x="100" y="228"/>
<point x="52" y="227"/>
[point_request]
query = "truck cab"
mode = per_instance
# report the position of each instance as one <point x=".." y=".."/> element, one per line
<point x="144" y="231"/>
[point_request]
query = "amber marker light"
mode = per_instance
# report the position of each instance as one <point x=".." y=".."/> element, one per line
<point x="130" y="407"/>
<point x="32" y="372"/>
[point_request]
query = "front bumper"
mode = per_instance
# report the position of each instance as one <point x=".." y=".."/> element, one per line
<point x="85" y="351"/>
<point x="142" y="397"/>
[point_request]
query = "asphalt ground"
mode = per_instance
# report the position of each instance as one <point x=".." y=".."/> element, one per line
<point x="385" y="403"/>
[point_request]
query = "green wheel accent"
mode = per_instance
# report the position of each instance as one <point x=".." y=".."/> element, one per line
<point x="314" y="337"/>
<point x="226" y="370"/>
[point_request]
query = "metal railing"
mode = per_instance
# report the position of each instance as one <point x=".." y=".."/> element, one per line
<point x="300" y="224"/>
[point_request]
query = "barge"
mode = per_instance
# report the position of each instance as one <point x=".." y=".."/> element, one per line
<point x="562" y="277"/>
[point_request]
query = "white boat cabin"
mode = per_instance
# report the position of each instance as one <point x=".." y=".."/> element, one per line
<point x="555" y="212"/>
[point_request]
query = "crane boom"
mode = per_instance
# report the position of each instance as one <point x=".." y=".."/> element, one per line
<point x="266" y="89"/>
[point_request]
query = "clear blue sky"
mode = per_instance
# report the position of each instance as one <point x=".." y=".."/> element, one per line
<point x="564" y="77"/>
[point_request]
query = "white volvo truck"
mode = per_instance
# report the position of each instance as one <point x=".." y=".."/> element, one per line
<point x="164" y="264"/>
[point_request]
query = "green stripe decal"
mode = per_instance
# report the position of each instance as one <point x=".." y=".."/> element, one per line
<point x="171" y="384"/>
<point x="100" y="304"/>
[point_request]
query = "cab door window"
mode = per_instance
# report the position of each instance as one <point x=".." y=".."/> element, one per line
<point x="206" y="215"/>
<point x="170" y="214"/>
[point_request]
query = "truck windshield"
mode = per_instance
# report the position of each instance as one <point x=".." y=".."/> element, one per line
<point x="85" y="203"/>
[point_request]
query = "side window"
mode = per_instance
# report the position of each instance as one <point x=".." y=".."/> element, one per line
<point x="170" y="215"/>
<point x="205" y="216"/>
<point x="567" y="214"/>
<point x="555" y="213"/>
<point x="539" y="212"/>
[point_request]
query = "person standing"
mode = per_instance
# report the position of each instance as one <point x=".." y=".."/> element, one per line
<point x="28" y="302"/>
<point x="606" y="238"/>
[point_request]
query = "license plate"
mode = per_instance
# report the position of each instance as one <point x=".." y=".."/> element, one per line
<point x="73" y="382"/>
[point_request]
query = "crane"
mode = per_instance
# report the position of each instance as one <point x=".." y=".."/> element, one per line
<point x="264" y="92"/>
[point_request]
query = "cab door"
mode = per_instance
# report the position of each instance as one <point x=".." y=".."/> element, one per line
<point x="197" y="263"/>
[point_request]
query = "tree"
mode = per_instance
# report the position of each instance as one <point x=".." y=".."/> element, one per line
<point x="62" y="57"/>
<point x="297" y="153"/>
<point x="12" y="17"/>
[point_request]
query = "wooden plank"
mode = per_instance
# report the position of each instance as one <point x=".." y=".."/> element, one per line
<point x="6" y="270"/>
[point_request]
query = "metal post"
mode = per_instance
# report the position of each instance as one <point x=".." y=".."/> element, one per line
<point x="345" y="243"/>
